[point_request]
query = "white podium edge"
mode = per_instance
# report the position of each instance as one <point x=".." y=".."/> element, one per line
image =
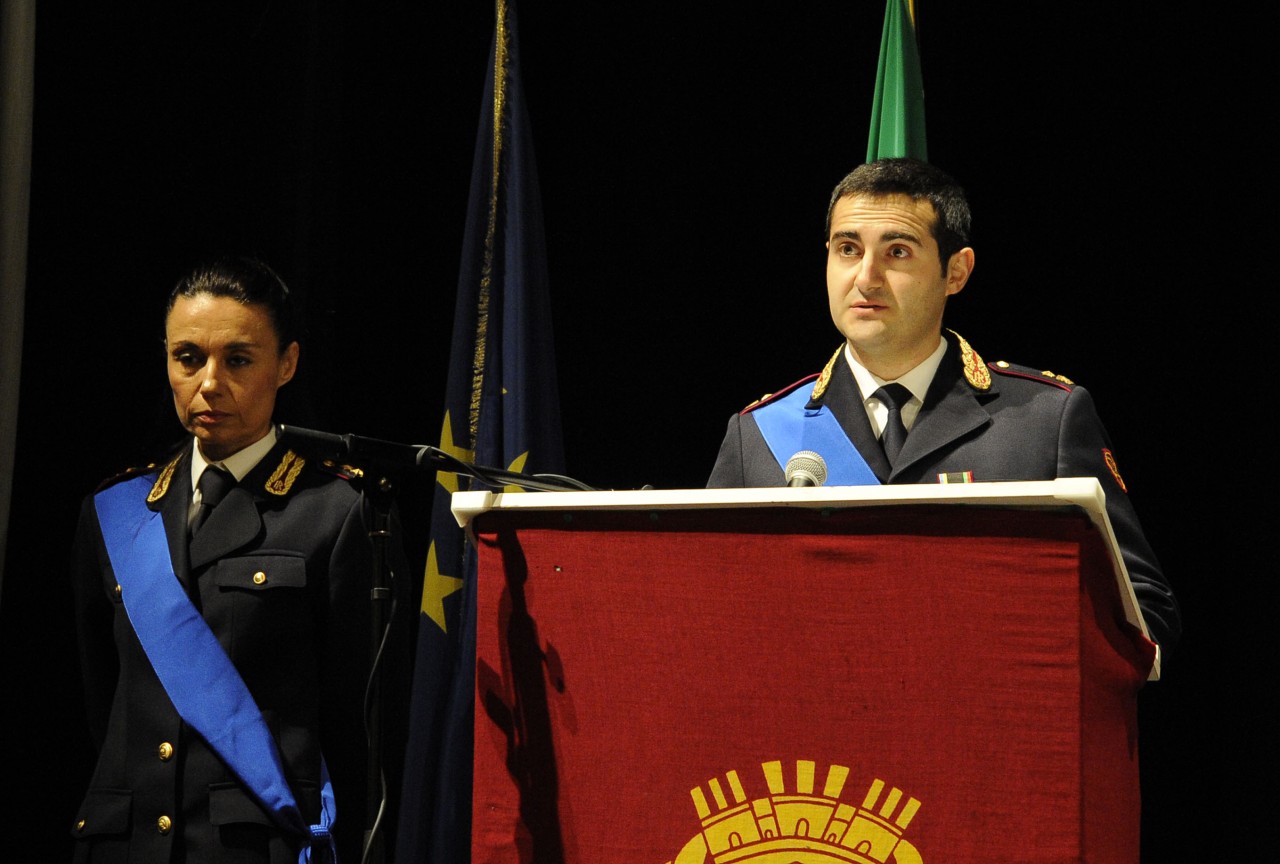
<point x="1083" y="492"/>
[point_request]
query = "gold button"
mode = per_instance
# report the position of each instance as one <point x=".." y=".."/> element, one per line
<point x="119" y="590"/>
<point x="164" y="824"/>
<point x="166" y="751"/>
<point x="259" y="578"/>
<point x="80" y="825"/>
<point x="1003" y="364"/>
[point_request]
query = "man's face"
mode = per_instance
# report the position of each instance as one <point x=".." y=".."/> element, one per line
<point x="225" y="366"/>
<point x="885" y="282"/>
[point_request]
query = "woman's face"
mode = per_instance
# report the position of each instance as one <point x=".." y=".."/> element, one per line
<point x="225" y="366"/>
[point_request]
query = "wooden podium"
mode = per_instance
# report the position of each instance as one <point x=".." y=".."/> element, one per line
<point x="805" y="676"/>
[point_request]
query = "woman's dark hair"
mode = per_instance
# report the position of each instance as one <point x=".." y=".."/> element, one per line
<point x="250" y="281"/>
<point x="247" y="281"/>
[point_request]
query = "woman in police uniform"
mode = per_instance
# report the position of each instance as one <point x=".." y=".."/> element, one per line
<point x="279" y="571"/>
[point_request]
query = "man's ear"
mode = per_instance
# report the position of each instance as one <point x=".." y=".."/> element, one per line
<point x="958" y="270"/>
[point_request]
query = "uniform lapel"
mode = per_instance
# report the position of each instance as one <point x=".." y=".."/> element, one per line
<point x="951" y="410"/>
<point x="173" y="499"/>
<point x="232" y="524"/>
<point x="237" y="520"/>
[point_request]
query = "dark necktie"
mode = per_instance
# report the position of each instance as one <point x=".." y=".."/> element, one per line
<point x="214" y="483"/>
<point x="893" y="396"/>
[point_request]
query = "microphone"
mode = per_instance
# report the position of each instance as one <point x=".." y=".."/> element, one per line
<point x="354" y="448"/>
<point x="390" y="455"/>
<point x="806" y="468"/>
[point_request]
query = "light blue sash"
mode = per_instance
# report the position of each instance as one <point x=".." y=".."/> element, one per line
<point x="789" y="426"/>
<point x="200" y="679"/>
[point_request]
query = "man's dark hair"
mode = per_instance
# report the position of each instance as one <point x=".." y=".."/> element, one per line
<point x="919" y="181"/>
<point x="247" y="281"/>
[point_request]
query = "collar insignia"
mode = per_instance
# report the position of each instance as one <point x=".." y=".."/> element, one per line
<point x="975" y="371"/>
<point x="281" y="479"/>
<point x="161" y="485"/>
<point x="1110" y="459"/>
<point x="820" y="386"/>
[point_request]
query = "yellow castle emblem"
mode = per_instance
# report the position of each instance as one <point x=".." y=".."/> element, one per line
<point x="800" y="826"/>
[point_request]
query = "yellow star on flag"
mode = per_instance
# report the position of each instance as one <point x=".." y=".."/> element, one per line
<point x="435" y="587"/>
<point x="449" y="479"/>
<point x="517" y="467"/>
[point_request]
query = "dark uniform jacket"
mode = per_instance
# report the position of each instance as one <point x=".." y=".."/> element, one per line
<point x="1023" y="425"/>
<point x="298" y="634"/>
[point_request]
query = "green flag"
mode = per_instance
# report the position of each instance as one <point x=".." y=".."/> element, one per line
<point x="897" y="112"/>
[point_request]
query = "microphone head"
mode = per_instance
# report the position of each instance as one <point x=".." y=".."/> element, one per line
<point x="806" y="468"/>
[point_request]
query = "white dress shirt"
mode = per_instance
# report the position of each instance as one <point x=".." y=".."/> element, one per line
<point x="917" y="381"/>
<point x="239" y="464"/>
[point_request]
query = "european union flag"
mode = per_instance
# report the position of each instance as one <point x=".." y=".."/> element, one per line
<point x="502" y="409"/>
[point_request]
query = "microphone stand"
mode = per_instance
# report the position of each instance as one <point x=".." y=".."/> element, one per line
<point x="381" y="465"/>
<point x="380" y="491"/>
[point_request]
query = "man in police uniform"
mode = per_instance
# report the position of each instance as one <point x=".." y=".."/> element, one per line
<point x="897" y="248"/>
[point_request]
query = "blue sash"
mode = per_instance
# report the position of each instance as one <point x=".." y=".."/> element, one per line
<point x="789" y="426"/>
<point x="200" y="679"/>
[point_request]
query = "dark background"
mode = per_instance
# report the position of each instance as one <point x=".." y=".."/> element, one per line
<point x="1124" y="227"/>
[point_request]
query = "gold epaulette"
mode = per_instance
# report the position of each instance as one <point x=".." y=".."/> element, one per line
<point x="769" y="397"/>
<point x="1044" y="375"/>
<point x="341" y="469"/>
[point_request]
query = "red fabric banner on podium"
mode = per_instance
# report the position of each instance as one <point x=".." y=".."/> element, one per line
<point x="897" y="684"/>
